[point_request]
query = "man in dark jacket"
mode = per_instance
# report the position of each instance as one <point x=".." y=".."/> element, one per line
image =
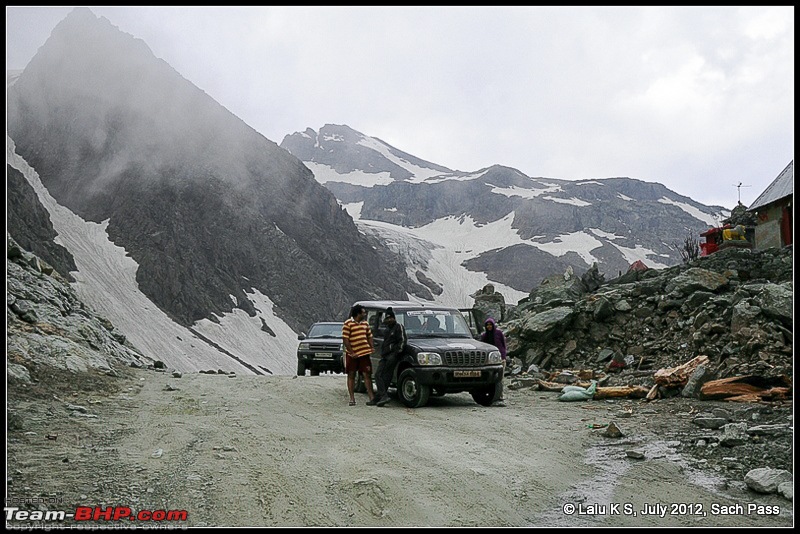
<point x="494" y="336"/>
<point x="394" y="343"/>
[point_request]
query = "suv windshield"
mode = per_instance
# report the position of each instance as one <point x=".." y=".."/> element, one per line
<point x="326" y="330"/>
<point x="433" y="323"/>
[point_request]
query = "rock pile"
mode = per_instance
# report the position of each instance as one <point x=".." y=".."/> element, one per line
<point x="490" y="302"/>
<point x="734" y="306"/>
<point x="48" y="327"/>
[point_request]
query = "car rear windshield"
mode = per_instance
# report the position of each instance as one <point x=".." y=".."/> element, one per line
<point x="326" y="330"/>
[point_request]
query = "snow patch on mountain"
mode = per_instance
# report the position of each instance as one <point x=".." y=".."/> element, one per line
<point x="600" y="233"/>
<point x="548" y="187"/>
<point x="106" y="281"/>
<point x="640" y="253"/>
<point x="464" y="235"/>
<point x="579" y="242"/>
<point x="354" y="209"/>
<point x="524" y="192"/>
<point x="574" y="201"/>
<point x="325" y="173"/>
<point x="624" y="197"/>
<point x="420" y="173"/>
<point x="455" y="177"/>
<point x="333" y="137"/>
<point x="582" y="244"/>
<point x="438" y="250"/>
<point x="691" y="210"/>
<point x="241" y="334"/>
<point x="516" y="191"/>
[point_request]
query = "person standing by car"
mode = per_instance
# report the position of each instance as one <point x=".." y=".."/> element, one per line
<point x="357" y="339"/>
<point x="394" y="343"/>
<point x="494" y="336"/>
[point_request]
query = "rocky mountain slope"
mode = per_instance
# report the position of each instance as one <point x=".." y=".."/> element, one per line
<point x="215" y="220"/>
<point x="547" y="224"/>
<point x="49" y="330"/>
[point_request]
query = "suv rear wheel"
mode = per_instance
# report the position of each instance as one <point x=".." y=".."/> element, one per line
<point x="412" y="393"/>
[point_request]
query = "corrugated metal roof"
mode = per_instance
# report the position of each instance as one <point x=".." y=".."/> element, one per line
<point x="782" y="186"/>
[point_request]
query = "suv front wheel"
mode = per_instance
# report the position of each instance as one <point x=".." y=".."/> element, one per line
<point x="412" y="393"/>
<point x="487" y="395"/>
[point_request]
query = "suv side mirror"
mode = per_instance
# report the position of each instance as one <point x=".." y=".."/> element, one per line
<point x="301" y="336"/>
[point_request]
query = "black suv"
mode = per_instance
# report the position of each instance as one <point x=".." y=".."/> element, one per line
<point x="321" y="350"/>
<point x="441" y="356"/>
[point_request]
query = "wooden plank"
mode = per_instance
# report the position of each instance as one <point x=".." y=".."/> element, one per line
<point x="545" y="385"/>
<point x="711" y="391"/>
<point x="633" y="392"/>
<point x="749" y="397"/>
<point x="777" y="393"/>
<point x="678" y="376"/>
<point x="585" y="374"/>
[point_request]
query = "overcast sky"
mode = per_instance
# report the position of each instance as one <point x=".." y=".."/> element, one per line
<point x="696" y="98"/>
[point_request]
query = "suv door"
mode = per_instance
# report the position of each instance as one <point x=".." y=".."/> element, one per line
<point x="474" y="321"/>
<point x="374" y="318"/>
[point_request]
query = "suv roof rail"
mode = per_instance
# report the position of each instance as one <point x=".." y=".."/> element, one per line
<point x="396" y="303"/>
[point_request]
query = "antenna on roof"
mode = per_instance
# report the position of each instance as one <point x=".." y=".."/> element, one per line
<point x="739" y="189"/>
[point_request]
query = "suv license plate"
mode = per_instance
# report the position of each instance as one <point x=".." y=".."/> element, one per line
<point x="467" y="374"/>
<point x="323" y="354"/>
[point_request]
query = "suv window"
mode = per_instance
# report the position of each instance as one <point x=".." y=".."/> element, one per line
<point x="373" y="319"/>
<point x="423" y="323"/>
<point x="433" y="323"/>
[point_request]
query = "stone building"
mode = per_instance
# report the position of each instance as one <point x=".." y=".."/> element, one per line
<point x="773" y="211"/>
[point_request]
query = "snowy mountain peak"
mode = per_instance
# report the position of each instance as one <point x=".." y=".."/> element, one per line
<point x="496" y="223"/>
<point x="340" y="153"/>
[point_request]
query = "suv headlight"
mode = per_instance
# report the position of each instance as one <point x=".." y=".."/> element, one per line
<point x="303" y="346"/>
<point x="341" y="347"/>
<point x="494" y="357"/>
<point x="429" y="358"/>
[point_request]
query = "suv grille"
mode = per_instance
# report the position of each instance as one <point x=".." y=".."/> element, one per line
<point x="465" y="357"/>
<point x="324" y="346"/>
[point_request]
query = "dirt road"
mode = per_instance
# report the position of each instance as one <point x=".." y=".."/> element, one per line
<point x="288" y="451"/>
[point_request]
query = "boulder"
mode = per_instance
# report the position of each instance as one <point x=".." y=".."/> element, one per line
<point x="734" y="434"/>
<point x="766" y="479"/>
